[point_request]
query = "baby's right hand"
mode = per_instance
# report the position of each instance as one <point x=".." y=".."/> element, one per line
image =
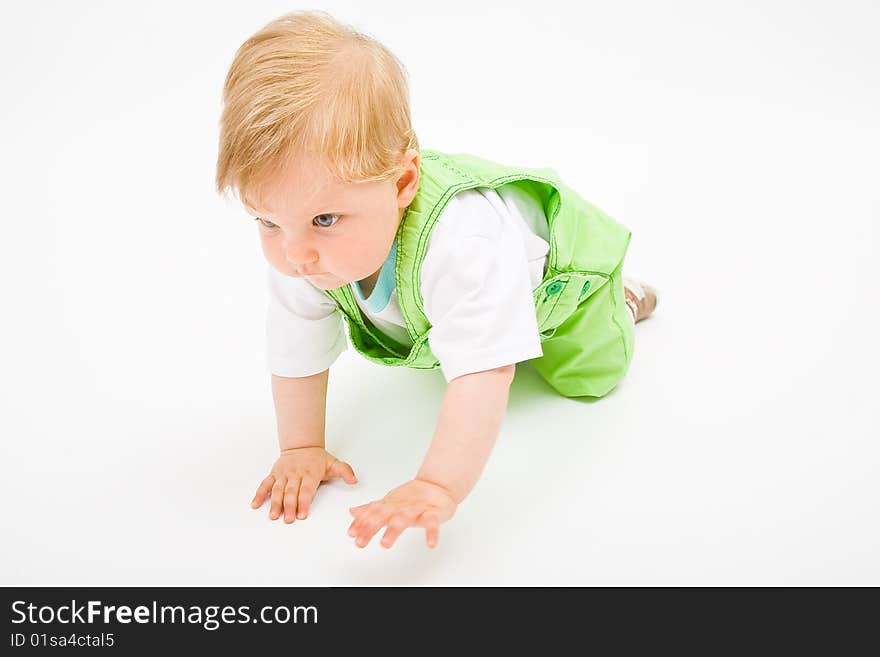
<point x="295" y="478"/>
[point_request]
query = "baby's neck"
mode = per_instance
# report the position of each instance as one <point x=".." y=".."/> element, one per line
<point x="369" y="283"/>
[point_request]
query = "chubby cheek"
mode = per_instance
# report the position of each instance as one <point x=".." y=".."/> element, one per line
<point x="349" y="259"/>
<point x="275" y="255"/>
<point x="367" y="253"/>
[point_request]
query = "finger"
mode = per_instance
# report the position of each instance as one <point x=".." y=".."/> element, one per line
<point x="263" y="491"/>
<point x="396" y="526"/>
<point x="432" y="536"/>
<point x="431" y="523"/>
<point x="360" y="514"/>
<point x="277" y="498"/>
<point x="291" y="491"/>
<point x="343" y="470"/>
<point x="307" y="490"/>
<point x="371" y="524"/>
<point x="359" y="524"/>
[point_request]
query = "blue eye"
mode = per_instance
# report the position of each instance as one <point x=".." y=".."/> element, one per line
<point x="266" y="222"/>
<point x="333" y="217"/>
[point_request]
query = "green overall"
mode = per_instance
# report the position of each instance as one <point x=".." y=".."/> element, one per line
<point x="586" y="331"/>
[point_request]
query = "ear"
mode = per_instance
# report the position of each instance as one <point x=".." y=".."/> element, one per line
<point x="408" y="182"/>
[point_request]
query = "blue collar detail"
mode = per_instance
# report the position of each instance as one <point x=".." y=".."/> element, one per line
<point x="381" y="294"/>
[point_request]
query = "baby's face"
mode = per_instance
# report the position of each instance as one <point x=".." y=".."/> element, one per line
<point x="331" y="232"/>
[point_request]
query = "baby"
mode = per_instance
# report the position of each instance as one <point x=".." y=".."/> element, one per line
<point x="430" y="259"/>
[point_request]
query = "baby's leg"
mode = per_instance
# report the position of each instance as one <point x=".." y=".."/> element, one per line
<point x="641" y="299"/>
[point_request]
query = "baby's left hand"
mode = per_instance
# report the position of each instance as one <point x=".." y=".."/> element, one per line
<point x="416" y="503"/>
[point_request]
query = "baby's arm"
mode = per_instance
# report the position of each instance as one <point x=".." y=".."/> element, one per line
<point x="470" y="419"/>
<point x="300" y="411"/>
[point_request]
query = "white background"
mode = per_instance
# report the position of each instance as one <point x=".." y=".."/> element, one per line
<point x="740" y="144"/>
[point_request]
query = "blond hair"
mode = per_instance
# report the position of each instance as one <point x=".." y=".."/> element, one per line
<point x="307" y="83"/>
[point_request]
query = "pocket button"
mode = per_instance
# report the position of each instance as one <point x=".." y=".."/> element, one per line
<point x="555" y="287"/>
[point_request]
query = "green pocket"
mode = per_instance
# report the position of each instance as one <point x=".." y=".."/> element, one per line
<point x="558" y="296"/>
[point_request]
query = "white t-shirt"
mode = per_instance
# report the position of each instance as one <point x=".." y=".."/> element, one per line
<point x="486" y="255"/>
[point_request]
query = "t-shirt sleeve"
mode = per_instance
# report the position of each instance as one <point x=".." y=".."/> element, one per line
<point x="304" y="327"/>
<point x="476" y="289"/>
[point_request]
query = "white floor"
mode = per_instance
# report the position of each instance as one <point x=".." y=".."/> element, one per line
<point x="739" y="143"/>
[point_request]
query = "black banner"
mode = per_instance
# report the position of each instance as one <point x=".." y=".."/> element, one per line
<point x="138" y="620"/>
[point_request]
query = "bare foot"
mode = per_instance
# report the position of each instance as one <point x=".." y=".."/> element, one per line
<point x="640" y="297"/>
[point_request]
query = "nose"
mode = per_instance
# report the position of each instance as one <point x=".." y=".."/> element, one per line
<point x="300" y="254"/>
